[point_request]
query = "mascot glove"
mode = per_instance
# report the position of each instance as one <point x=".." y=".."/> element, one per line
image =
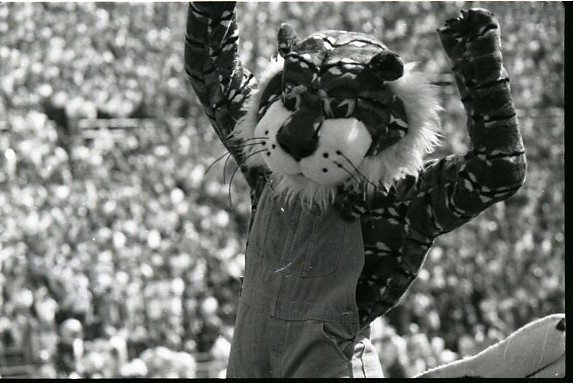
<point x="472" y="43"/>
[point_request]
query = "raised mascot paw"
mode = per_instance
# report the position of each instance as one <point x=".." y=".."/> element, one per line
<point x="472" y="43"/>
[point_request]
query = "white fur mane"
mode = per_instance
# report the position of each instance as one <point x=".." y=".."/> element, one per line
<point x="246" y="125"/>
<point x="406" y="157"/>
<point x="310" y="193"/>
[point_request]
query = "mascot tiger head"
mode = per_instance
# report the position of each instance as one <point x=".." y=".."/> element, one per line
<point x="338" y="109"/>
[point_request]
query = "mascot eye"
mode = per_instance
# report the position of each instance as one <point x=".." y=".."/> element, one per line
<point x="291" y="101"/>
<point x="338" y="107"/>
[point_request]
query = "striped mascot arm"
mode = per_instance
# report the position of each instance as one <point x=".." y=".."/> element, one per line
<point x="491" y="172"/>
<point x="455" y="189"/>
<point x="214" y="69"/>
<point x="537" y="350"/>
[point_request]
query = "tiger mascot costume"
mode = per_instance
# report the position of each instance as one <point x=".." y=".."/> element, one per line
<point x="344" y="209"/>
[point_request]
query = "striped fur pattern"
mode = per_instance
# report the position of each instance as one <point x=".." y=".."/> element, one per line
<point x="401" y="217"/>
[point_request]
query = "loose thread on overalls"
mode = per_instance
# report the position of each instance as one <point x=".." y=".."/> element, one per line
<point x="283" y="268"/>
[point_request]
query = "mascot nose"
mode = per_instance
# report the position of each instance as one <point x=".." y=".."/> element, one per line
<point x="299" y="135"/>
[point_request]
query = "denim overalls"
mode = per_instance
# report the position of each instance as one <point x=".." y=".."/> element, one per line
<point x="297" y="314"/>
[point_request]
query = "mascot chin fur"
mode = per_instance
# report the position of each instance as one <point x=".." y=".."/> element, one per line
<point x="344" y="208"/>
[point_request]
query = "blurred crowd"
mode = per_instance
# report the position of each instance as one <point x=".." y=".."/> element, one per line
<point x="120" y="256"/>
<point x="134" y="248"/>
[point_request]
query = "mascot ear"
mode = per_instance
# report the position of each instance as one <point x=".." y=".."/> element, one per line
<point x="387" y="66"/>
<point x="287" y="38"/>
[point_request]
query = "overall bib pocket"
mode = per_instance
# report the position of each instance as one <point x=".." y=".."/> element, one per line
<point x="324" y="235"/>
<point x="287" y="238"/>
